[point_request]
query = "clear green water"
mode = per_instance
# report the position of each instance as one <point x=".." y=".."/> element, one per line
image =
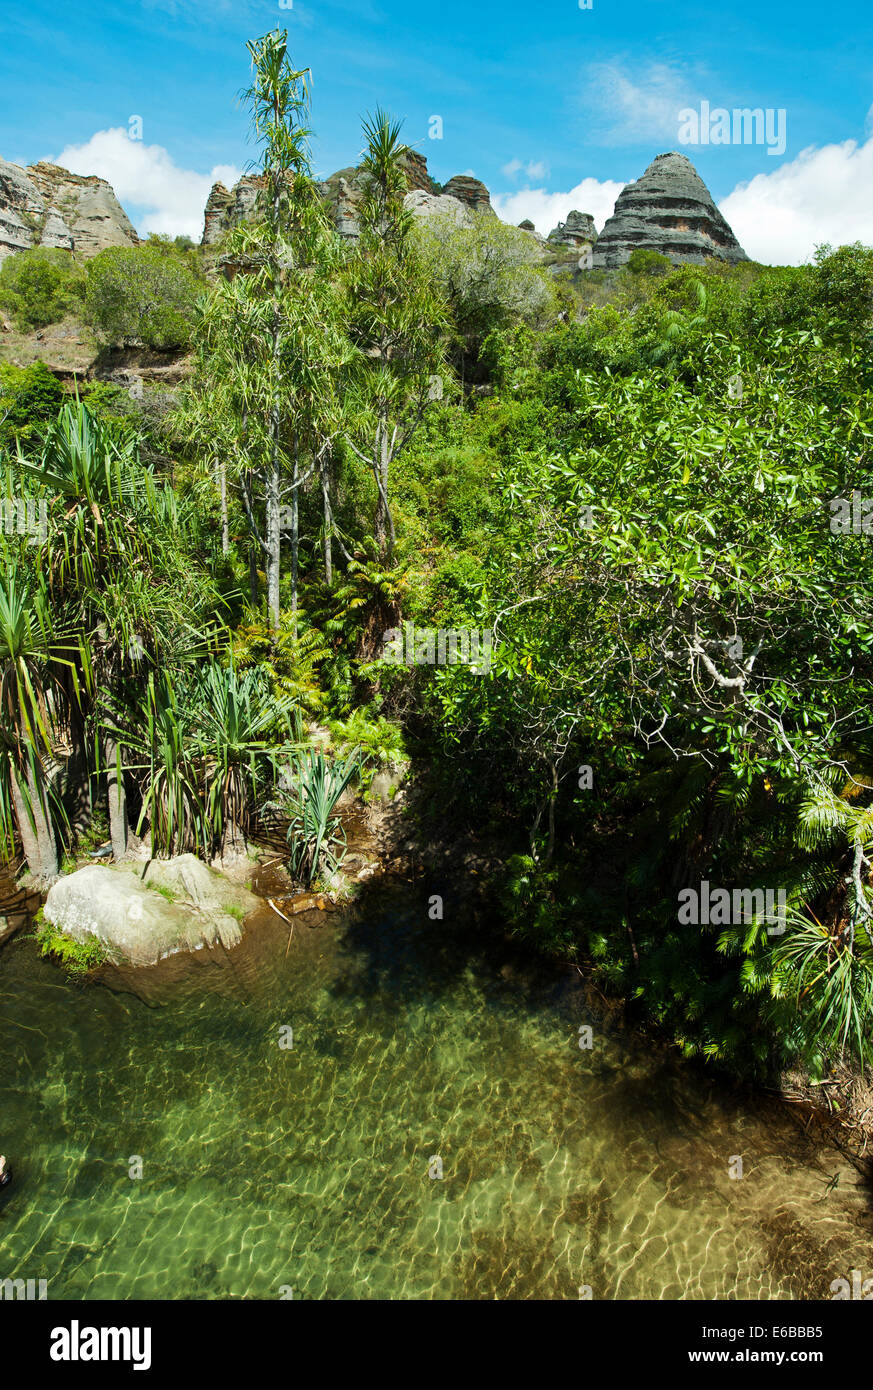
<point x="309" y="1167"/>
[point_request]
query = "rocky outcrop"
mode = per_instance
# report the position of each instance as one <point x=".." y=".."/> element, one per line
<point x="669" y="210"/>
<point x="177" y="905"/>
<point x="343" y="193"/>
<point x="218" y="213"/>
<point x="23" y="212"/>
<point x="428" y="205"/>
<point x="45" y="205"/>
<point x="577" y="232"/>
<point x="416" y="173"/>
<point x="468" y="191"/>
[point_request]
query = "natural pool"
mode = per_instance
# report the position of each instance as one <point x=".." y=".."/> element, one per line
<point x="308" y="1167"/>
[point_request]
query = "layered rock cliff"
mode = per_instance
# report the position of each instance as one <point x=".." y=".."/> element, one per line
<point x="45" y="205"/>
<point x="343" y="192"/>
<point x="669" y="210"/>
<point x="577" y="232"/>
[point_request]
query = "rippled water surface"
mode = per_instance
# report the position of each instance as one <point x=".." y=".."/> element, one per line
<point x="308" y="1167"/>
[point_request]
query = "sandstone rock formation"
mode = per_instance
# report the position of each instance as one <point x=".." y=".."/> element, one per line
<point x="45" y="205"/>
<point x="343" y="193"/>
<point x="139" y="925"/>
<point x="427" y="205"/>
<point x="577" y="232"/>
<point x="469" y="191"/>
<point x="416" y="172"/>
<point x="217" y="215"/>
<point x="669" y="210"/>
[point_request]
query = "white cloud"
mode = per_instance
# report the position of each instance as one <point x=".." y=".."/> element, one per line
<point x="636" y="109"/>
<point x="823" y="195"/>
<point x="145" y="176"/>
<point x="546" y="210"/>
<point x="537" y="170"/>
<point x="778" y="218"/>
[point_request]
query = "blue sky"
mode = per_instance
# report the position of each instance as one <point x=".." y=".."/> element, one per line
<point x="549" y="104"/>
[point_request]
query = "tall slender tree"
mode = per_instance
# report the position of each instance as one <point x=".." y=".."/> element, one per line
<point x="397" y="321"/>
<point x="272" y="329"/>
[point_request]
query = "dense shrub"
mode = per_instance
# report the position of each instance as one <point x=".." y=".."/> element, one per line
<point x="490" y="273"/>
<point x="30" y="397"/>
<point x="643" y="262"/>
<point x="142" y="294"/>
<point x="39" y="287"/>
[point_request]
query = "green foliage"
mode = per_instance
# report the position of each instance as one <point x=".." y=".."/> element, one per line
<point x="396" y="319"/>
<point x="832" y="298"/>
<point x="315" y="834"/>
<point x="289" y="658"/>
<point x="489" y="272"/>
<point x="532" y="909"/>
<point x="202" y="753"/>
<point x="843" y="291"/>
<point x="641" y="262"/>
<point x="665" y="588"/>
<point x="40" y="286"/>
<point x="78" y="958"/>
<point x="509" y="355"/>
<point x="377" y="741"/>
<point x="30" y="397"/>
<point x="828" y="977"/>
<point x="142" y="294"/>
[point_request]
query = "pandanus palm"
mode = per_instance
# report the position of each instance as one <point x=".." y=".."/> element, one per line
<point x="236" y="716"/>
<point x="30" y="652"/>
<point x="87" y="469"/>
<point x="115" y="560"/>
<point x="172" y="801"/>
<point x="202" y="748"/>
<point x="315" y="832"/>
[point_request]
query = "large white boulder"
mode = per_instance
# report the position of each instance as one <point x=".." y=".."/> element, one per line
<point x="140" y="925"/>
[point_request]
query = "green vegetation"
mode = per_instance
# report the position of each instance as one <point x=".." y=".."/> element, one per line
<point x="39" y="287"/>
<point x="315" y="832"/>
<point x="78" y="958"/>
<point x="489" y="274"/>
<point x="30" y="398"/>
<point x="630" y="479"/>
<point x="143" y="294"/>
<point x="641" y="262"/>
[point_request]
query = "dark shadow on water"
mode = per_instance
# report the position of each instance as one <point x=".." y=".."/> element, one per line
<point x="391" y="948"/>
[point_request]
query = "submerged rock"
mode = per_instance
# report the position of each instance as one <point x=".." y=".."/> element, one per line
<point x="141" y="918"/>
